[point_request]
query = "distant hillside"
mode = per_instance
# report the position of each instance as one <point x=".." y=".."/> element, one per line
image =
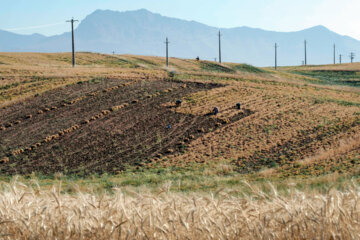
<point x="142" y="32"/>
<point x="11" y="42"/>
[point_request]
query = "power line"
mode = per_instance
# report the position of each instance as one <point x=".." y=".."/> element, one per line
<point x="352" y="56"/>
<point x="73" y="41"/>
<point x="276" y="46"/>
<point x="167" y="52"/>
<point x="34" y="27"/>
<point x="340" y="58"/>
<point x="305" y="60"/>
<point x="219" y="46"/>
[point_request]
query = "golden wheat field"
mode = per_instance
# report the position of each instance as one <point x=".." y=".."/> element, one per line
<point x="30" y="213"/>
<point x="134" y="165"/>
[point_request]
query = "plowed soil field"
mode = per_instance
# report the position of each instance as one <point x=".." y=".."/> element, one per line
<point x="102" y="127"/>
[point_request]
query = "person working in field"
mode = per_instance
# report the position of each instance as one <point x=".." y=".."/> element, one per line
<point x="178" y="103"/>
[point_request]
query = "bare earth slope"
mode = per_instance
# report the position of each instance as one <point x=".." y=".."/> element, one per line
<point x="112" y="112"/>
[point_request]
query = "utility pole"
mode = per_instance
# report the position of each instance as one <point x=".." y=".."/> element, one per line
<point x="219" y="46"/>
<point x="340" y="56"/>
<point x="352" y="56"/>
<point x="73" y="41"/>
<point x="167" y="52"/>
<point x="305" y="60"/>
<point x="334" y="54"/>
<point x="276" y="47"/>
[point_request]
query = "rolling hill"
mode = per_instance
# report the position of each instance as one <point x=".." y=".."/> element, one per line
<point x="113" y="113"/>
<point x="102" y="150"/>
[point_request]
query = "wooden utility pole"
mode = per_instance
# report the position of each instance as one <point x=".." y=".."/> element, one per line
<point x="334" y="54"/>
<point x="305" y="60"/>
<point x="73" y="40"/>
<point x="219" y="46"/>
<point x="167" y="52"/>
<point x="352" y="56"/>
<point x="276" y="47"/>
<point x="340" y="58"/>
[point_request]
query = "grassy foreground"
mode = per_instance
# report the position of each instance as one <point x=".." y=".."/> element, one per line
<point x="199" y="179"/>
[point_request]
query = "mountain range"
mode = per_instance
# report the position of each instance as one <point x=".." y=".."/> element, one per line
<point x="142" y="32"/>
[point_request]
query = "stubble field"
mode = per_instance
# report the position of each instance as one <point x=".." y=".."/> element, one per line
<point x="112" y="123"/>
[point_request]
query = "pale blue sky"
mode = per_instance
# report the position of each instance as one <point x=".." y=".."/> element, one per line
<point x="48" y="16"/>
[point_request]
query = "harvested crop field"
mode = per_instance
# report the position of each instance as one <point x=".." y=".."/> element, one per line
<point x="102" y="126"/>
<point x="113" y="113"/>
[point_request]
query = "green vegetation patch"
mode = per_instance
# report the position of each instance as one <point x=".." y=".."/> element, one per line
<point x="337" y="77"/>
<point x="215" y="67"/>
<point x="343" y="103"/>
<point x="247" y="68"/>
<point x="189" y="179"/>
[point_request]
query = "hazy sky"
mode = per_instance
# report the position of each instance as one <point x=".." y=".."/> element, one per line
<point x="48" y="16"/>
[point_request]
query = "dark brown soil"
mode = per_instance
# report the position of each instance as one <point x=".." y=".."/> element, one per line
<point x="133" y="135"/>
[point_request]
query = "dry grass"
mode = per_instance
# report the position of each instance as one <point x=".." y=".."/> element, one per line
<point x="344" y="146"/>
<point x="25" y="74"/>
<point x="286" y="107"/>
<point x="28" y="213"/>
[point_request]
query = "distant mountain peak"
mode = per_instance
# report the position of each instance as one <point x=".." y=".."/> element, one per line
<point x="143" y="32"/>
<point x="317" y="28"/>
<point x="143" y="10"/>
<point x="108" y="11"/>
